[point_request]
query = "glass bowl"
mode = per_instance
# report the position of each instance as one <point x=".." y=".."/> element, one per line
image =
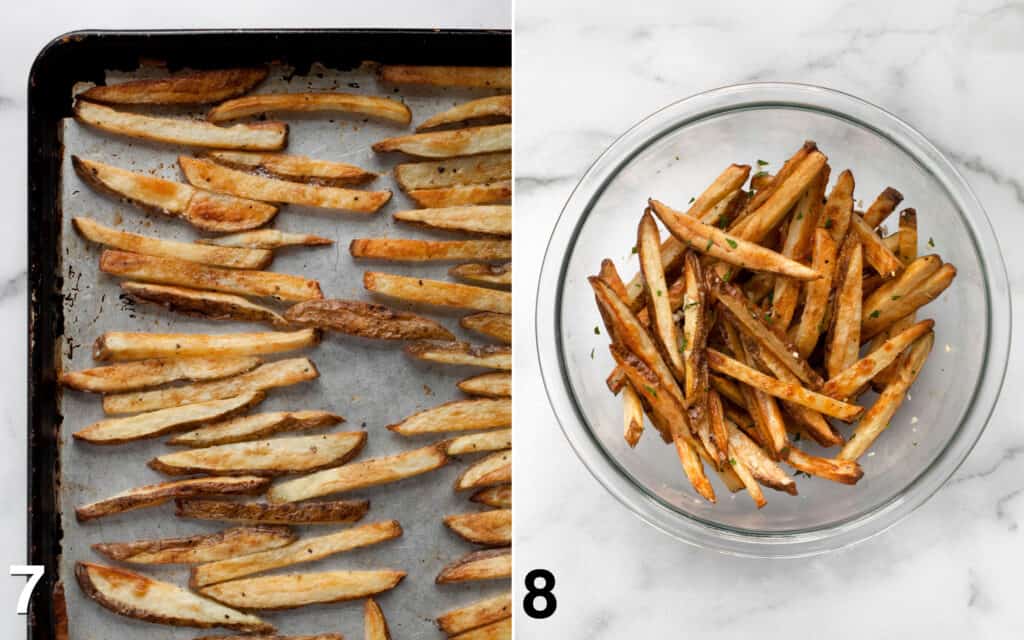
<point x="672" y="155"/>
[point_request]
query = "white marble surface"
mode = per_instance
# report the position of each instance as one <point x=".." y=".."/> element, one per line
<point x="27" y="27"/>
<point x="587" y="71"/>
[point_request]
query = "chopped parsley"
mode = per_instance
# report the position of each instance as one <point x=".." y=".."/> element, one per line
<point x="732" y="243"/>
<point x="828" y="223"/>
<point x="634" y="249"/>
<point x="762" y="163"/>
<point x="799" y="215"/>
<point x="651" y="390"/>
<point x="592" y="354"/>
<point x="723" y="221"/>
<point x="875" y="313"/>
<point x="931" y="243"/>
<point x="691" y="200"/>
<point x="732" y="461"/>
<point x="658" y="292"/>
<point x="683" y="343"/>
<point x="597" y="331"/>
<point x="727" y="276"/>
<point x="896" y="297"/>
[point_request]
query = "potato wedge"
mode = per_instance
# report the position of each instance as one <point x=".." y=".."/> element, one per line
<point x="129" y="376"/>
<point x="135" y="596"/>
<point x="362" y="474"/>
<point x="884" y="204"/>
<point x="843" y="345"/>
<point x="118" y="346"/>
<point x="499" y="275"/>
<point x="488" y="385"/>
<point x="663" y="326"/>
<point x="281" y="373"/>
<point x="492" y="219"/>
<point x="251" y="427"/>
<point x="257" y="136"/>
<point x="496" y="440"/>
<point x="494" y="469"/>
<point x="816" y="297"/>
<point x="270" y="458"/>
<point x="202" y="209"/>
<point x="370" y="106"/>
<point x="446" y="144"/>
<point x="263" y="284"/>
<point x="499" y="497"/>
<point x="880" y="314"/>
<point x="491" y="564"/>
<point x="157" y="494"/>
<point x="267" y="239"/>
<point x="428" y="250"/>
<point x="841" y="471"/>
<point x="295" y="168"/>
<point x="492" y="528"/>
<point x="452" y="172"/>
<point x="157" y="423"/>
<point x="489" y="193"/>
<point x="366" y="320"/>
<point x="229" y="543"/>
<point x="298" y="552"/>
<point x="375" y="626"/>
<point x="230" y="257"/>
<point x="218" y="178"/>
<point x="210" y="305"/>
<point x="490" y="107"/>
<point x="462" y="353"/>
<point x="845" y="383"/>
<point x="438" y="292"/>
<point x="439" y="76"/>
<point x="194" y="87"/>
<point x="632" y="416"/>
<point x="277" y="592"/>
<point x="332" y="512"/>
<point x="493" y="325"/>
<point x="476" y="615"/>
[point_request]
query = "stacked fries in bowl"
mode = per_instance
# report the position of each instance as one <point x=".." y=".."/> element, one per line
<point x="782" y="358"/>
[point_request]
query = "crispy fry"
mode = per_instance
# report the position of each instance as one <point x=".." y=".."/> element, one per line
<point x="779" y="200"/>
<point x="437" y="292"/>
<point x="202" y="209"/>
<point x="839" y="208"/>
<point x="255" y="426"/>
<point x="366" y="320"/>
<point x="446" y="144"/>
<point x="427" y="250"/>
<point x="718" y="432"/>
<point x="204" y="304"/>
<point x="298" y="590"/>
<point x="845" y="383"/>
<point x="476" y="615"/>
<point x="439" y="76"/>
<point x="876" y="253"/>
<point x="695" y="330"/>
<point x="491" y="528"/>
<point x="844" y="334"/>
<point x="267" y="239"/>
<point x="499" y="497"/>
<point x="784" y="174"/>
<point x="491" y="107"/>
<point x="234" y="258"/>
<point x="472" y="194"/>
<point x="812" y="320"/>
<point x="280" y="373"/>
<point x="748" y="479"/>
<point x="488" y="385"/>
<point x="492" y="470"/>
<point x="333" y="512"/>
<point x="842" y="471"/>
<point x="182" y="273"/>
<point x="135" y="596"/>
<point x="487" y="219"/>
<point x="500" y="630"/>
<point x="295" y="168"/>
<point x="129" y="376"/>
<point x="884" y="204"/>
<point x="458" y="415"/>
<point x="375" y="626"/>
<point x="215" y="177"/>
<point x="496" y="440"/>
<point x="478" y="565"/>
<point x="118" y="346"/>
<point x="475" y="272"/>
<point x="908" y="235"/>
<point x="298" y="552"/>
<point x="254" y="105"/>
<point x="907" y="249"/>
<point x="358" y="475"/>
<point x="195" y="87"/>
<point x="462" y="353"/>
<point x="257" y="136"/>
<point x="452" y="172"/>
<point x="907" y="297"/>
<point x="493" y="325"/>
<point x="157" y="494"/>
<point x="757" y="462"/>
<point x="632" y="415"/>
<point x="228" y="543"/>
<point x="656" y="289"/>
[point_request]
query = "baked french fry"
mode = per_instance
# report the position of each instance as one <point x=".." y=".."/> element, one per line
<point x="756" y="461"/>
<point x="841" y="471"/>
<point x="118" y="346"/>
<point x="129" y="376"/>
<point x="446" y="144"/>
<point x="785" y="172"/>
<point x="632" y="415"/>
<point x="490" y="107"/>
<point x="663" y="326"/>
<point x="156" y="494"/>
<point x="880" y="313"/>
<point x="255" y="426"/>
<point x="884" y="204"/>
<point x="295" y="168"/>
<point x="375" y="626"/>
<point x="488" y="385"/>
<point x="477" y="273"/>
<point x="907" y="251"/>
<point x="276" y="592"/>
<point x="908" y="236"/>
<point x="366" y="320"/>
<point x="500" y="630"/>
<point x="452" y="172"/>
<point x="812" y="320"/>
<point x="489" y="193"/>
<point x="437" y="292"/>
<point x="499" y="497"/>
<point x="496" y="440"/>
<point x="259" y="104"/>
<point x="718" y="432"/>
<point x="843" y="345"/>
<point x="478" y="565"/>
<point x="427" y="250"/>
<point x="839" y="208"/>
<point x="267" y="239"/>
<point x="492" y="470"/>
<point x="876" y="253"/>
<point x="194" y="87"/>
<point x="210" y="305"/>
<point x="778" y="200"/>
<point x="492" y="527"/>
<point x="495" y="219"/>
<point x="845" y="383"/>
<point x="490" y="324"/>
<point x="476" y="615"/>
<point x="332" y="512"/>
<point x="458" y="415"/>
<point x="440" y="76"/>
<point x="462" y="353"/>
<point x="695" y="330"/>
<point x="229" y="543"/>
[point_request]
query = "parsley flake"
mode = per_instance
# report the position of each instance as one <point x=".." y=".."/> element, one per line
<point x="597" y="331"/>
<point x="732" y="243"/>
<point x="762" y="163"/>
<point x="875" y="313"/>
<point x="931" y="243"/>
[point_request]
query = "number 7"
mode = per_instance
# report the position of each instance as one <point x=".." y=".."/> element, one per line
<point x="35" y="574"/>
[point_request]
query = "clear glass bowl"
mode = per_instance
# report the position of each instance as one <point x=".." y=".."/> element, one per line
<point x="672" y="155"/>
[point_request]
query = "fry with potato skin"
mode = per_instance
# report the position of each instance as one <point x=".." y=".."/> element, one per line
<point x="295" y="168"/>
<point x="884" y="204"/>
<point x="157" y="494"/>
<point x="817" y="294"/>
<point x="491" y="324"/>
<point x="453" y="172"/>
<point x="836" y="470"/>
<point x="366" y="320"/>
<point x="211" y="305"/>
<point x="496" y="440"/>
<point x="267" y="239"/>
<point x="843" y="345"/>
<point x="458" y="415"/>
<point x="494" y="469"/>
<point x="492" y="528"/>
<point x="876" y="253"/>
<point x="428" y="250"/>
<point x="490" y="107"/>
<point x="195" y="87"/>
<point x="500" y="630"/>
<point x="375" y="626"/>
<point x="756" y="461"/>
<point x="485" y="219"/>
<point x="476" y="615"/>
<point x="332" y="512"/>
<point x="463" y="195"/>
<point x="118" y="346"/>
<point x="907" y="250"/>
<point x="499" y="275"/>
<point x="229" y="543"/>
<point x="695" y="329"/>
<point x="446" y="144"/>
<point x="632" y="416"/>
<point x="499" y="496"/>
<point x="488" y="385"/>
<point x="881" y="314"/>
<point x="845" y="383"/>
<point x="255" y="426"/>
<point x="370" y="106"/>
<point x="779" y="200"/>
<point x="442" y="76"/>
<point x="478" y="565"/>
<point x="462" y="353"/>
<point x="129" y="376"/>
<point x="438" y="292"/>
<point x="663" y="327"/>
<point x="277" y="592"/>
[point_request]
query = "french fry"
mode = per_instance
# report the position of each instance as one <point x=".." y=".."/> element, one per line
<point x="718" y="432"/>
<point x="229" y="543"/>
<point x="298" y="552"/>
<point x="726" y="387"/>
<point x="845" y="383"/>
<point x="157" y="494"/>
<point x="492" y="219"/>
<point x="257" y="136"/>
<point x="477" y="273"/>
<point x="491" y="107"/>
<point x="280" y="373"/>
<point x="496" y="440"/>
<point x="118" y="346"/>
<point x="907" y="250"/>
<point x="500" y="630"/>
<point x="446" y="144"/>
<point x="839" y="208"/>
<point x="362" y="474"/>
<point x="270" y="458"/>
<point x="278" y="592"/>
<point x="264" y="284"/>
<point x="876" y="253"/>
<point x="663" y="326"/>
<point x="231" y="257"/>
<point x="476" y="615"/>
<point x="437" y="292"/>
<point x="267" y="239"/>
<point x="908" y="235"/>
<point x="221" y="179"/>
<point x="785" y="172"/>
<point x="491" y="564"/>
<point x="488" y="323"/>
<point x="757" y="463"/>
<point x="904" y="299"/>
<point x="491" y="193"/>
<point x="196" y="87"/>
<point x="779" y="200"/>
<point x="452" y="172"/>
<point x="256" y="426"/>
<point x="439" y="76"/>
<point x="492" y="528"/>
<point x="462" y="353"/>
<point x="695" y="330"/>
<point x="135" y="596"/>
<point x="632" y="416"/>
<point x="129" y="376"/>
<point x="499" y="497"/>
<point x="458" y="415"/>
<point x="841" y="471"/>
<point x="884" y="204"/>
<point x="493" y="470"/>
<point x="203" y="304"/>
<point x="333" y="512"/>
<point x="295" y="168"/>
<point x="812" y="320"/>
<point x="375" y="626"/>
<point x="259" y="104"/>
<point x="428" y="250"/>
<point x="202" y="209"/>
<point x="844" y="334"/>
<point x="156" y="423"/>
<point x="488" y="385"/>
<point x="366" y="320"/>
<point x="754" y="401"/>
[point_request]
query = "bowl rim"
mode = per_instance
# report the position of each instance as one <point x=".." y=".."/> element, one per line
<point x="550" y="352"/>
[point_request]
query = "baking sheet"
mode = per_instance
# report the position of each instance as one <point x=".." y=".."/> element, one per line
<point x="372" y="384"/>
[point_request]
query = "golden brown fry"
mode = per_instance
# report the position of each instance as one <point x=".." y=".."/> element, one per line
<point x="255" y="426"/>
<point x="499" y="497"/>
<point x="908" y="235"/>
<point x="157" y="494"/>
<point x="488" y="385"/>
<point x="370" y="106"/>
<point x="195" y="87"/>
<point x="204" y="304"/>
<point x="757" y="463"/>
<point x="845" y="383"/>
<point x="295" y="168"/>
<point x="462" y="353"/>
<point x="884" y="204"/>
<point x="907" y="297"/>
<point x="438" y="292"/>
<point x="277" y="592"/>
<point x="229" y="543"/>
<point x="493" y="274"/>
<point x="748" y="479"/>
<point x="366" y="320"/>
<point x="718" y="432"/>
<point x="496" y="440"/>
<point x="695" y="330"/>
<point x="256" y="136"/>
<point x="490" y="107"/>
<point x="452" y="172"/>
<point x="633" y="416"/>
<point x="119" y="346"/>
<point x="784" y="174"/>
<point x="662" y="324"/>
<point x="492" y="528"/>
<point x="446" y="144"/>
<point x="464" y="195"/>
<point x="779" y="199"/>
<point x="440" y="76"/>
<point x="458" y="415"/>
<point x="486" y="219"/>
<point x="375" y="626"/>
<point x="876" y="253"/>
<point x="839" y="208"/>
<point x="129" y="376"/>
<point x="427" y="250"/>
<point x="842" y="471"/>
<point x="267" y="239"/>
<point x="494" y="325"/>
<point x="907" y="250"/>
<point x="812" y="320"/>
<point x="476" y="615"/>
<point x="333" y="512"/>
<point x="844" y="335"/>
<point x="494" y="469"/>
<point x="478" y="565"/>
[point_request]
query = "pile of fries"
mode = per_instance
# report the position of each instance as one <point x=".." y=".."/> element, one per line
<point x="236" y="187"/>
<point x="763" y="317"/>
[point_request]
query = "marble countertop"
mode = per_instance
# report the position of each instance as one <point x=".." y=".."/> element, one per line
<point x="585" y="72"/>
